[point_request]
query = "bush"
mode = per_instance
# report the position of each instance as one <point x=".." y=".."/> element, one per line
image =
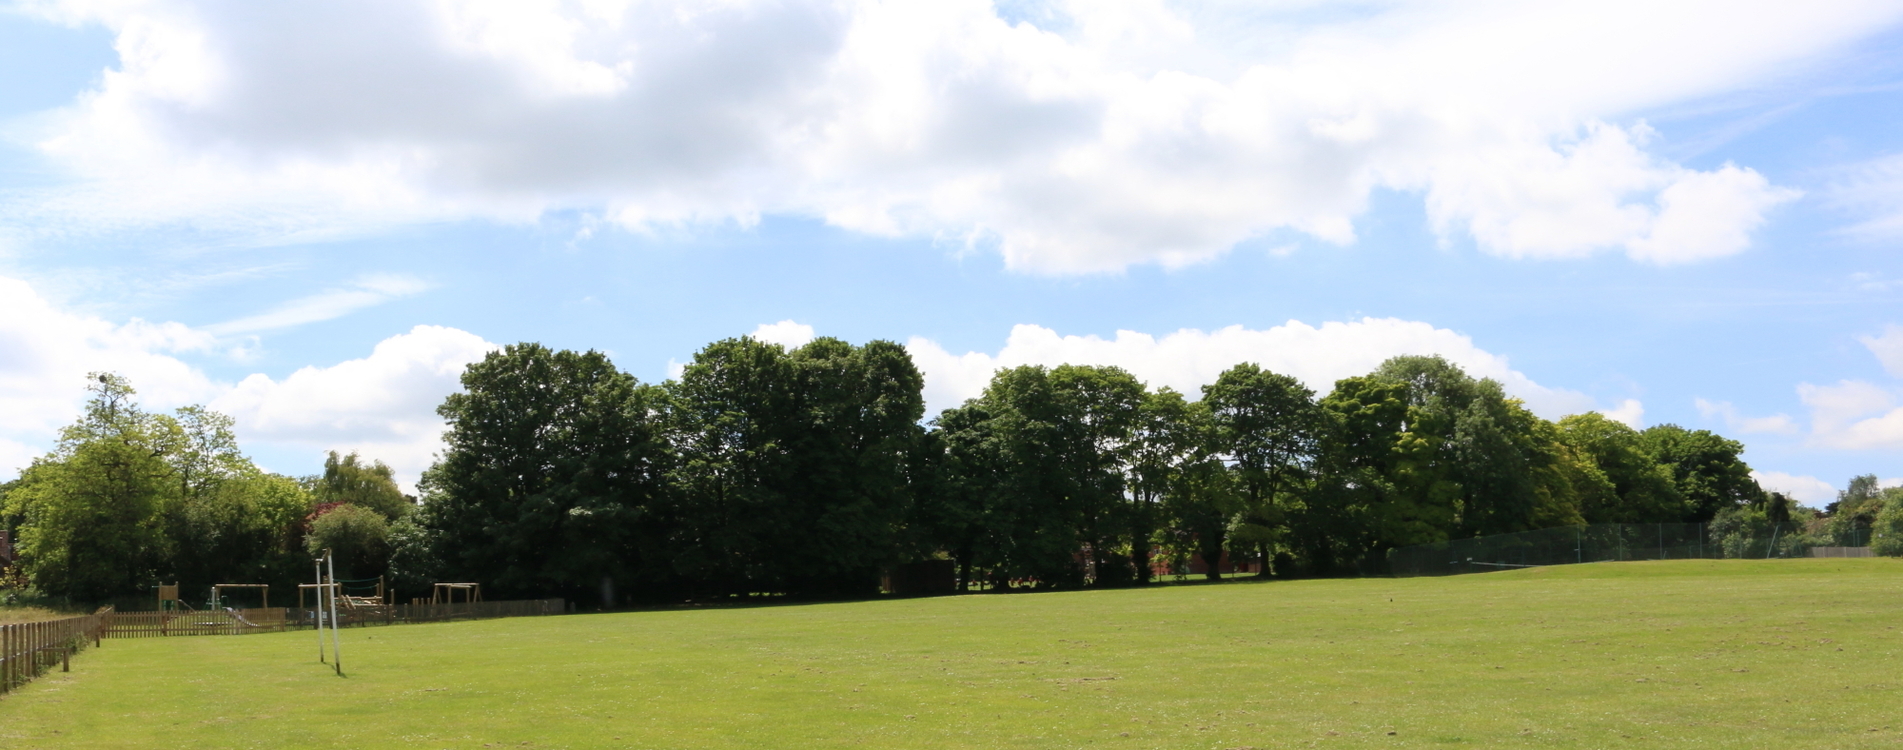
<point x="1887" y="530"/>
<point x="358" y="537"/>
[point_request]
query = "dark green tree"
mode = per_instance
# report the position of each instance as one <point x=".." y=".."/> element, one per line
<point x="1201" y="497"/>
<point x="793" y="465"/>
<point x="1706" y="469"/>
<point x="1269" y="428"/>
<point x="1165" y="442"/>
<point x="552" y="462"/>
<point x="1101" y="408"/>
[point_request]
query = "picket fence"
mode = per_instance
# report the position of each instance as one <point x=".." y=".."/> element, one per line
<point x="28" y="649"/>
<point x="280" y="619"/>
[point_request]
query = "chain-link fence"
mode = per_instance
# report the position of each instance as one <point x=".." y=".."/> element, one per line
<point x="1595" y="543"/>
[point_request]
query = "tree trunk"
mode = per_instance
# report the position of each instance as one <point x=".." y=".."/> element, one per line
<point x="1212" y="556"/>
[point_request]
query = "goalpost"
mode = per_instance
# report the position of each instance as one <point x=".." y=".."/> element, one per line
<point x="327" y="609"/>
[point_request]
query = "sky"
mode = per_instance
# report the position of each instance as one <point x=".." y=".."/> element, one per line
<point x="311" y="217"/>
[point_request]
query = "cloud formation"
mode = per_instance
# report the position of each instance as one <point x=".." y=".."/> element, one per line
<point x="1858" y="414"/>
<point x="1071" y="136"/>
<point x="368" y="291"/>
<point x="1805" y="489"/>
<point x="786" y="333"/>
<point x="1188" y="359"/>
<point x="383" y="404"/>
<point x="1778" y="424"/>
<point x="46" y="352"/>
<point x="1629" y="412"/>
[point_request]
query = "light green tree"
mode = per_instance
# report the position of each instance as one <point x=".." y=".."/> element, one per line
<point x="89" y="513"/>
<point x="348" y="479"/>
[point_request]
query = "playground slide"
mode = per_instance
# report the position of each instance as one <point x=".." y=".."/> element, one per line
<point x="240" y="618"/>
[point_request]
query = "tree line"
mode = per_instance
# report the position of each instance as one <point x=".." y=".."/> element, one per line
<point x="810" y="471"/>
<point x="128" y="498"/>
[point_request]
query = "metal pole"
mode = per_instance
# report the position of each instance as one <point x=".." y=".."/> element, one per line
<point x="336" y="646"/>
<point x="318" y="564"/>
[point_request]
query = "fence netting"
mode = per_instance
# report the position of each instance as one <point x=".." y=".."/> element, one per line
<point x="1595" y="543"/>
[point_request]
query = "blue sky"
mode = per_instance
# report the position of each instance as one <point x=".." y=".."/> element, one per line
<point x="311" y="219"/>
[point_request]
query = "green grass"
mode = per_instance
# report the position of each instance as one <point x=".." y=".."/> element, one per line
<point x="1744" y="654"/>
<point x="16" y="614"/>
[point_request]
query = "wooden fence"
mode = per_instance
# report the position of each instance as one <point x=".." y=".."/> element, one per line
<point x="211" y="622"/>
<point x="279" y="619"/>
<point x="29" y="648"/>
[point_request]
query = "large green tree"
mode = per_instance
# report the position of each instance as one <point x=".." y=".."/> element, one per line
<point x="1167" y="439"/>
<point x="1706" y="469"/>
<point x="552" y="461"/>
<point x="1269" y="428"/>
<point x="793" y="465"/>
<point x="128" y="497"/>
<point x="1641" y="488"/>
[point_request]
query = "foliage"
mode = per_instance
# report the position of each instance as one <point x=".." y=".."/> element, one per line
<point x="357" y="537"/>
<point x="1637" y="488"/>
<point x="1886" y="529"/>
<point x="792" y="470"/>
<point x="347" y="479"/>
<point x="128" y="498"/>
<point x="1706" y="469"/>
<point x="551" y="464"/>
<point x="807" y="472"/>
<point x="1268" y="428"/>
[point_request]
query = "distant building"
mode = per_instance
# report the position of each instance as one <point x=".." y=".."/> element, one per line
<point x="6" y="547"/>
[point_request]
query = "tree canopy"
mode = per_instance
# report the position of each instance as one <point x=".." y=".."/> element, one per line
<point x="811" y="471"/>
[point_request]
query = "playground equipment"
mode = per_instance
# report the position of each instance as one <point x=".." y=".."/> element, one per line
<point x="445" y="593"/>
<point x="371" y="592"/>
<point x="264" y="587"/>
<point x="169" y="601"/>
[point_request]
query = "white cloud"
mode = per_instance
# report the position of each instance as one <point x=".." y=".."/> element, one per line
<point x="1188" y="359"/>
<point x="1857" y="414"/>
<point x="1873" y="190"/>
<point x="368" y="291"/>
<point x="1806" y="490"/>
<point x="1776" y="424"/>
<point x="785" y="333"/>
<point x="1122" y="132"/>
<point x="383" y="405"/>
<point x="1629" y="412"/>
<point x="46" y="352"/>
<point x="1853" y="414"/>
<point x="1888" y="348"/>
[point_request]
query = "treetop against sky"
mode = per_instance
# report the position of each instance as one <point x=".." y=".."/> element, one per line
<point x="313" y="218"/>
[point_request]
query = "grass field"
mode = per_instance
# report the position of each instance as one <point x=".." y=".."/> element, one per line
<point x="1728" y="654"/>
<point x="11" y="615"/>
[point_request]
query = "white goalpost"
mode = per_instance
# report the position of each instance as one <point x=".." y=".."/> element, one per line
<point x="327" y="610"/>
